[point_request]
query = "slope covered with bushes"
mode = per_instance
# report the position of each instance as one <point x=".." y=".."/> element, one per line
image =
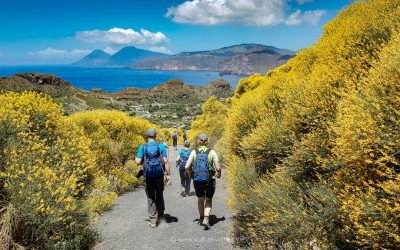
<point x="211" y="121"/>
<point x="313" y="146"/>
<point x="58" y="173"/>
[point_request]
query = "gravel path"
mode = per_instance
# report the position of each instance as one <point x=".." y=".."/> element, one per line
<point x="124" y="226"/>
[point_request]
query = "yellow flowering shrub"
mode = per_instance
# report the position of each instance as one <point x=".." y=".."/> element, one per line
<point x="210" y="122"/>
<point x="115" y="138"/>
<point x="322" y="131"/>
<point x="367" y="149"/>
<point x="45" y="168"/>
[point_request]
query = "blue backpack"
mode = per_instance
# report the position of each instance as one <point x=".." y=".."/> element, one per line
<point x="201" y="167"/>
<point x="184" y="156"/>
<point x="153" y="162"/>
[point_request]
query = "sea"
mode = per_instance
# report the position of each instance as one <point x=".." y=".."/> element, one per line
<point x="115" y="79"/>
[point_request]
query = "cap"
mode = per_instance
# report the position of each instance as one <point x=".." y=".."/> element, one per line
<point x="203" y="137"/>
<point x="151" y="132"/>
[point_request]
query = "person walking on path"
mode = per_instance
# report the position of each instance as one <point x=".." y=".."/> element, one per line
<point x="175" y="140"/>
<point x="181" y="159"/>
<point x="205" y="168"/>
<point x="185" y="137"/>
<point x="153" y="158"/>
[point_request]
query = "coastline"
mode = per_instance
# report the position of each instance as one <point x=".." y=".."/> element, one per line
<point x="113" y="79"/>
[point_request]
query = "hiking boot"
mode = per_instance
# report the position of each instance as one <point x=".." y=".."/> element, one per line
<point x="206" y="223"/>
<point x="200" y="222"/>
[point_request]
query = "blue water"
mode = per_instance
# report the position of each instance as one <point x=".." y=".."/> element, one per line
<point x="114" y="79"/>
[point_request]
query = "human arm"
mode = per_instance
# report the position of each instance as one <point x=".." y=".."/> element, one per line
<point x="167" y="170"/>
<point x="139" y="156"/>
<point x="166" y="164"/>
<point x="189" y="162"/>
<point x="217" y="167"/>
<point x="138" y="161"/>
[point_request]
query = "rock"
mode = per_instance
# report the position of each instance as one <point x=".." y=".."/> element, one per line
<point x="42" y="79"/>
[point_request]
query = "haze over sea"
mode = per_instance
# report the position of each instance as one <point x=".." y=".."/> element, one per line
<point x="114" y="79"/>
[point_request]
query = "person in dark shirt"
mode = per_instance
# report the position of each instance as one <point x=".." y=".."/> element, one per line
<point x="175" y="140"/>
<point x="185" y="137"/>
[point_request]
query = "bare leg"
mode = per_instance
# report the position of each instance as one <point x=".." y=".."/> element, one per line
<point x="208" y="206"/>
<point x="207" y="212"/>
<point x="187" y="183"/>
<point x="200" y="205"/>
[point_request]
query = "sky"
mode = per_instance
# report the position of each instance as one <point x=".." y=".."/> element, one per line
<point x="47" y="32"/>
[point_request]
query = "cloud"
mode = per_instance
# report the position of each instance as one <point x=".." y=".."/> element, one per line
<point x="212" y="12"/>
<point x="245" y="12"/>
<point x="310" y="17"/>
<point x="160" y="49"/>
<point x="118" y="36"/>
<point x="304" y="1"/>
<point x="51" y="52"/>
<point x="110" y="50"/>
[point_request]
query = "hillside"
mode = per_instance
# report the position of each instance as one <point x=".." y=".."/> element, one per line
<point x="238" y="59"/>
<point x="127" y="56"/>
<point x="314" y="145"/>
<point x="172" y="103"/>
<point x="61" y="91"/>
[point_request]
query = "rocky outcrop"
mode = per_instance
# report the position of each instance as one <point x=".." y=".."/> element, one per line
<point x="175" y="90"/>
<point x="43" y="79"/>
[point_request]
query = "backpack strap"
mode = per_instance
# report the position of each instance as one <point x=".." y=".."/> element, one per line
<point x="144" y="147"/>
<point x="212" y="163"/>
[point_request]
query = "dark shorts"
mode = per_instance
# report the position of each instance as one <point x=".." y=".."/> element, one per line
<point x="205" y="189"/>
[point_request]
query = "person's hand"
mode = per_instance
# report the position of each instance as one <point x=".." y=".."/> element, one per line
<point x="168" y="180"/>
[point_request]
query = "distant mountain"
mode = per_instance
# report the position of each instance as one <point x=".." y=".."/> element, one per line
<point x="243" y="59"/>
<point x="127" y="56"/>
<point x="238" y="59"/>
<point x="96" y="58"/>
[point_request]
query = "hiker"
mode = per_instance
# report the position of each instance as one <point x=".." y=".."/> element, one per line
<point x="205" y="168"/>
<point x="175" y="140"/>
<point x="185" y="137"/>
<point x="183" y="156"/>
<point x="153" y="158"/>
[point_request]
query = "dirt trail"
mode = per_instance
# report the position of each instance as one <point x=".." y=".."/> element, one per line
<point x="124" y="226"/>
